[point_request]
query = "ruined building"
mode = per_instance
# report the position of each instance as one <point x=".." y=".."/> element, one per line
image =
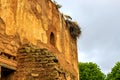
<point x="36" y="42"/>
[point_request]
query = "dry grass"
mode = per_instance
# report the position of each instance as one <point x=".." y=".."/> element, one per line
<point x="74" y="29"/>
<point x="57" y="5"/>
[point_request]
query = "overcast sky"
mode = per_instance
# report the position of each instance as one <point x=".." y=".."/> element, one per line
<point x="100" y="24"/>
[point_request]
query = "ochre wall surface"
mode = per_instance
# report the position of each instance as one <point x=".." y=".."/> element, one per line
<point x="33" y="22"/>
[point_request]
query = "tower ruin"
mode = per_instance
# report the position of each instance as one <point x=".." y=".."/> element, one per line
<point x="36" y="42"/>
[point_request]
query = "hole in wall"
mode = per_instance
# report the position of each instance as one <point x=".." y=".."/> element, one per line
<point x="6" y="74"/>
<point x="52" y="39"/>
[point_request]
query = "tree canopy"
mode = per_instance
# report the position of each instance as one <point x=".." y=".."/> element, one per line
<point x="90" y="71"/>
<point x="115" y="73"/>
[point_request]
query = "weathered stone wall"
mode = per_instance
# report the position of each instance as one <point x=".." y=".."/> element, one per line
<point x="39" y="64"/>
<point x="33" y="21"/>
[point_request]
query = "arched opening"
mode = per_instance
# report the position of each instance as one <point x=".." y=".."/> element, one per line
<point x="52" y="39"/>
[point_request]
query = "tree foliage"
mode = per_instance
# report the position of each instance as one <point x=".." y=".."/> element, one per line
<point x="115" y="73"/>
<point x="90" y="71"/>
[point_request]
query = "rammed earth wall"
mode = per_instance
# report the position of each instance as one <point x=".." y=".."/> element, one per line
<point x="40" y="23"/>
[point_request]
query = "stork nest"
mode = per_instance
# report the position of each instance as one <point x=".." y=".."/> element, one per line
<point x="74" y="29"/>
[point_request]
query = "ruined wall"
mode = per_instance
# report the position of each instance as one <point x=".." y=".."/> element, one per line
<point x="35" y="22"/>
<point x="39" y="64"/>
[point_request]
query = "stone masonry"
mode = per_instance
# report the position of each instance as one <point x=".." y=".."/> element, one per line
<point x="39" y="64"/>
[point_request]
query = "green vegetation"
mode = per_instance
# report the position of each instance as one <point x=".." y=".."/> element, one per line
<point x="115" y="73"/>
<point x="90" y="71"/>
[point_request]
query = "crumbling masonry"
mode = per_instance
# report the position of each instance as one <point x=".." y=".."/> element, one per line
<point x="36" y="42"/>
